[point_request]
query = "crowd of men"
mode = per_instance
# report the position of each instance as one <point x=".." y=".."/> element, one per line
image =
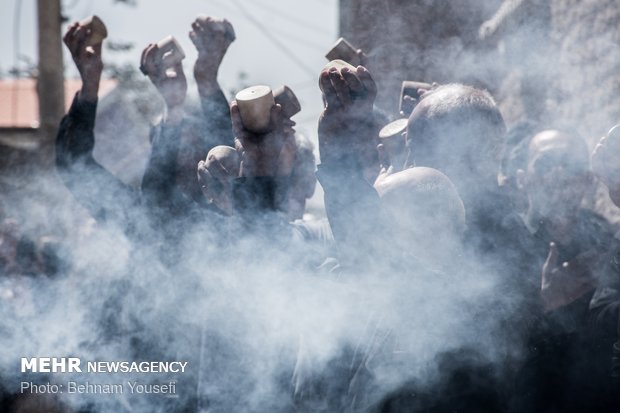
<point x="464" y="196"/>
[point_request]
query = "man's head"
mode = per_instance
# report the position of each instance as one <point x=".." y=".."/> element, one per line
<point x="303" y="179"/>
<point x="458" y="130"/>
<point x="216" y="174"/>
<point x="514" y="157"/>
<point x="557" y="174"/>
<point x="422" y="210"/>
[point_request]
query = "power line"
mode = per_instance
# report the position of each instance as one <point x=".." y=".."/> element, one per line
<point x="304" y="84"/>
<point x="225" y="6"/>
<point x="301" y="84"/>
<point x="301" y="39"/>
<point x="273" y="39"/>
<point x="298" y="21"/>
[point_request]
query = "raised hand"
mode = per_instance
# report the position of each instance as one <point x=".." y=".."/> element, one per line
<point x="211" y="37"/>
<point x="346" y="124"/>
<point x="170" y="82"/>
<point x="270" y="154"/>
<point x="87" y="60"/>
<point x="216" y="174"/>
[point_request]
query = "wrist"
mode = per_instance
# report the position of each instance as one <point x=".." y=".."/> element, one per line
<point x="206" y="70"/>
<point x="207" y="88"/>
<point x="89" y="91"/>
<point x="88" y="95"/>
<point x="174" y="114"/>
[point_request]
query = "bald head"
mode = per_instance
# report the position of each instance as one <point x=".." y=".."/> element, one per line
<point x="223" y="160"/>
<point x="458" y="130"/>
<point x="563" y="148"/>
<point x="422" y="200"/>
<point x="215" y="175"/>
<point x="557" y="175"/>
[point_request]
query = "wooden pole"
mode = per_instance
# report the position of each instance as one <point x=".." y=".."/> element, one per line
<point x="50" y="84"/>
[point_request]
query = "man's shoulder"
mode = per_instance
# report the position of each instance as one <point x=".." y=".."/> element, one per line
<point x="596" y="226"/>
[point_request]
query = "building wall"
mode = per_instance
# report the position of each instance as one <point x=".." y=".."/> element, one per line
<point x="416" y="40"/>
<point x="565" y="73"/>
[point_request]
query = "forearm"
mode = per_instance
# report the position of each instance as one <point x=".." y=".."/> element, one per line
<point x="159" y="180"/>
<point x="206" y="70"/>
<point x="216" y="121"/>
<point x="95" y="188"/>
<point x="75" y="139"/>
<point x="90" y="89"/>
<point x="208" y="87"/>
<point x="348" y="145"/>
<point x="351" y="204"/>
<point x="254" y="196"/>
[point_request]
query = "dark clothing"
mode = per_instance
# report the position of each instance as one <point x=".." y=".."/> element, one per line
<point x="160" y="215"/>
<point x="352" y="208"/>
<point x="98" y="190"/>
<point x="485" y="213"/>
<point x="110" y="200"/>
<point x="558" y="371"/>
<point x="95" y="188"/>
<point x="215" y="124"/>
<point x="356" y="379"/>
<point x="604" y="323"/>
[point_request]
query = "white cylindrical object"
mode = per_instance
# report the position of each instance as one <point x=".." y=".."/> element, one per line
<point x="393" y="129"/>
<point x="98" y="31"/>
<point x="255" y="105"/>
<point x="393" y="139"/>
<point x="172" y="52"/>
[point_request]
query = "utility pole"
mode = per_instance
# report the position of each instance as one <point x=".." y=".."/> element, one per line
<point x="50" y="83"/>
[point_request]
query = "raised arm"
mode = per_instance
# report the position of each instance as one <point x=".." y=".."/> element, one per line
<point x="159" y="183"/>
<point x="212" y="37"/>
<point x="347" y="145"/>
<point x="99" y="191"/>
<point x="266" y="164"/>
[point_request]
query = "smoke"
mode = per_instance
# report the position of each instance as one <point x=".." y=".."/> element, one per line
<point x="539" y="60"/>
<point x="258" y="328"/>
<point x="242" y="314"/>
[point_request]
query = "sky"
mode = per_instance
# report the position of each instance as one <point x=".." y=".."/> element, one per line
<point x="278" y="41"/>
